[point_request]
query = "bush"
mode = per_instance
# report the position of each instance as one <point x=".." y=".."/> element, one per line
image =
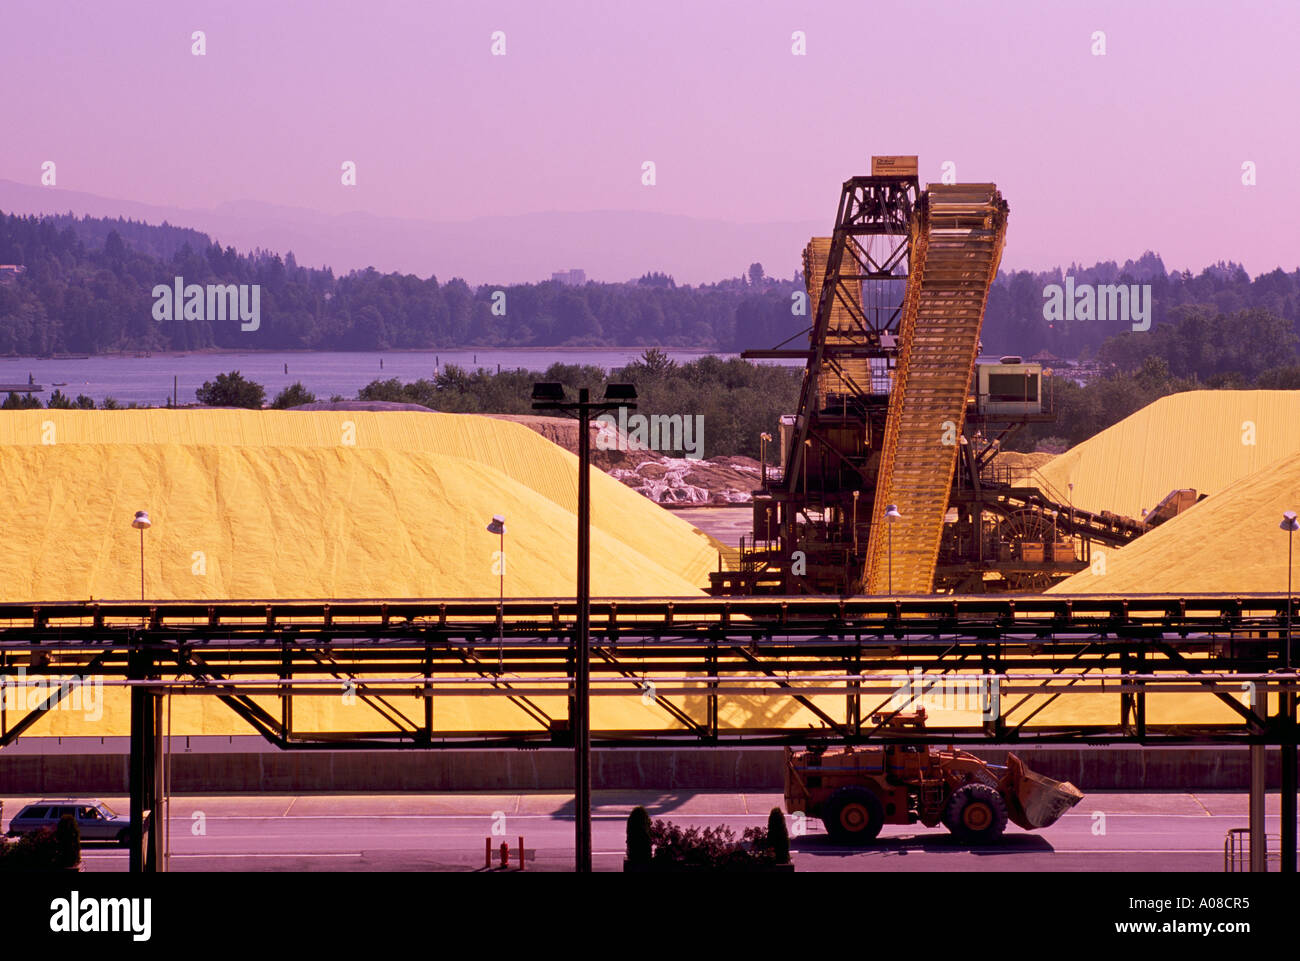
<point x="295" y="395"/>
<point x="20" y="401"/>
<point x="231" y="390"/>
<point x="675" y="848"/>
<point x="638" y="836"/>
<point x="778" y="838"/>
<point x="34" y="851"/>
<point x="68" y="843"/>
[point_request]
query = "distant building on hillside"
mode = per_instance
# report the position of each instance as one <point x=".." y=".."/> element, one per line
<point x="9" y="272"/>
<point x="570" y="278"/>
<point x="1045" y="356"/>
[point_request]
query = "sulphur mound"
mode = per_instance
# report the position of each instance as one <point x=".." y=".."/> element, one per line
<point x="1203" y="439"/>
<point x="1230" y="542"/>
<point x="326" y="504"/>
<point x="275" y="504"/>
<point x="347" y="504"/>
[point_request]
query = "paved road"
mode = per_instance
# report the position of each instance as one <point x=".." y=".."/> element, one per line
<point x="446" y="832"/>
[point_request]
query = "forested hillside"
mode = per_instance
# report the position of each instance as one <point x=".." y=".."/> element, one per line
<point x="88" y="288"/>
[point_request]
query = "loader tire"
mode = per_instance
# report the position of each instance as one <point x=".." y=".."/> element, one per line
<point x="976" y="814"/>
<point x="854" y="815"/>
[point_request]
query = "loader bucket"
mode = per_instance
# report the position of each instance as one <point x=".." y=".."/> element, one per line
<point x="1034" y="801"/>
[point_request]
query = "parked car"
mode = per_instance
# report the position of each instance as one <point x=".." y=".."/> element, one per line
<point x="95" y="820"/>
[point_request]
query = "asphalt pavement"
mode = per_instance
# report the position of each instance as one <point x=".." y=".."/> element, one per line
<point x="447" y="832"/>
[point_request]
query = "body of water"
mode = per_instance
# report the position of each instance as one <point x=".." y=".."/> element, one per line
<point x="148" y="380"/>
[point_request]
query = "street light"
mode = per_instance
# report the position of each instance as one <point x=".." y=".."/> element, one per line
<point x="763" y="440"/>
<point x="1287" y="708"/>
<point x="1289" y="524"/>
<point x="498" y="526"/>
<point x="892" y="517"/>
<point x="550" y="396"/>
<point x="141" y="523"/>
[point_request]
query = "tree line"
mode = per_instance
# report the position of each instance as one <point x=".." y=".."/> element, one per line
<point x="88" y="288"/>
<point x="89" y="283"/>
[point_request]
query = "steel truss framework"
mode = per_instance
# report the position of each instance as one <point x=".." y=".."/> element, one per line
<point x="1034" y="649"/>
<point x="879" y="207"/>
<point x="696" y="652"/>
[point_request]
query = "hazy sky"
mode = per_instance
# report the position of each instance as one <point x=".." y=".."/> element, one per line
<point x="1098" y="156"/>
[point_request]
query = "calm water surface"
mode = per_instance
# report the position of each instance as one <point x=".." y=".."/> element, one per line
<point x="148" y="380"/>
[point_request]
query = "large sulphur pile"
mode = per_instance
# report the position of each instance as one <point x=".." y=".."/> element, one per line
<point x="322" y="504"/>
<point x="1203" y="439"/>
<point x="395" y="504"/>
<point x="1241" y="448"/>
<point x="285" y="504"/>
<point x="1230" y="542"/>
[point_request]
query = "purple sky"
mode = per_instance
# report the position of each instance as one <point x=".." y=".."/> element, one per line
<point x="1099" y="157"/>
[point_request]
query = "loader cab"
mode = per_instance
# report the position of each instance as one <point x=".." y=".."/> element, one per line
<point x="904" y="762"/>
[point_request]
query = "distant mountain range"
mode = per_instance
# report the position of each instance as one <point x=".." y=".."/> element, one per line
<point x="611" y="246"/>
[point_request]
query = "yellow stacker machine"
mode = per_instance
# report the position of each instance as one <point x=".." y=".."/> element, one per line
<point x="887" y="481"/>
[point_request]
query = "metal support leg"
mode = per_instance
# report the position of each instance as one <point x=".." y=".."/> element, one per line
<point x="143" y="744"/>
<point x="1288" y="748"/>
<point x="1258" y="834"/>
<point x="157" y="800"/>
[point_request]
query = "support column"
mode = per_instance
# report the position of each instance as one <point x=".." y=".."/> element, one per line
<point x="582" y="639"/>
<point x="1288" y="806"/>
<point x="157" y="799"/>
<point x="1258" y="786"/>
<point x="142" y="764"/>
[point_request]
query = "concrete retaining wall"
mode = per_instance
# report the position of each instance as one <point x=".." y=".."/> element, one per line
<point x="721" y="769"/>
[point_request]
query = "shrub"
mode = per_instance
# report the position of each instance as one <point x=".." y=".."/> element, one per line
<point x="638" y="836"/>
<point x="231" y="390"/>
<point x="712" y="848"/>
<point x="68" y="840"/>
<point x="34" y="851"/>
<point x="778" y="838"/>
<point x="295" y="395"/>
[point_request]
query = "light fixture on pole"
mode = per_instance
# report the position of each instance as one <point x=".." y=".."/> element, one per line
<point x="550" y="396"/>
<point x="892" y="517"/>
<point x="1287" y="708"/>
<point x="1290" y="524"/>
<point x="855" y="521"/>
<point x="498" y="526"/>
<point x="141" y="523"/>
<point x="763" y="440"/>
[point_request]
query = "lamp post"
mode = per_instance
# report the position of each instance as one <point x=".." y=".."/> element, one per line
<point x="498" y="526"/>
<point x="1287" y="708"/>
<point x="141" y="523"/>
<point x="892" y="517"/>
<point x="763" y="440"/>
<point x="550" y="396"/>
